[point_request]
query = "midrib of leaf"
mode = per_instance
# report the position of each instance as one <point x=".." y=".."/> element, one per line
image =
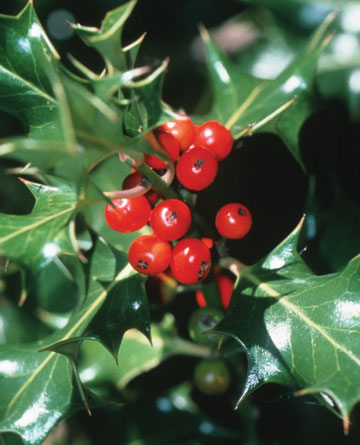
<point x="244" y="106"/>
<point x="122" y="274"/>
<point x="34" y="225"/>
<point x="29" y="85"/>
<point x="295" y="309"/>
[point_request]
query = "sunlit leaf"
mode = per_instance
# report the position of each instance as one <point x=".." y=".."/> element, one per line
<point x="299" y="330"/>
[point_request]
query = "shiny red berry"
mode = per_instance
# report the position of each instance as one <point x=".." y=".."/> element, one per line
<point x="170" y="219"/>
<point x="181" y="129"/>
<point x="170" y="145"/>
<point x="191" y="261"/>
<point x="128" y="215"/>
<point x="196" y="168"/>
<point x="233" y="221"/>
<point x="135" y="179"/>
<point x="149" y="254"/>
<point x="215" y="137"/>
<point x="225" y="285"/>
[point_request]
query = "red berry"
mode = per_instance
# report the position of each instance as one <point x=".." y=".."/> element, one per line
<point x="132" y="180"/>
<point x="149" y="254"/>
<point x="170" y="219"/>
<point x="191" y="261"/>
<point x="215" y="137"/>
<point x="233" y="221"/>
<point x="181" y="129"/>
<point x="200" y="298"/>
<point x="154" y="162"/>
<point x="128" y="215"/>
<point x="209" y="243"/>
<point x="135" y="179"/>
<point x="170" y="145"/>
<point x="152" y="197"/>
<point x="225" y="285"/>
<point x="196" y="168"/>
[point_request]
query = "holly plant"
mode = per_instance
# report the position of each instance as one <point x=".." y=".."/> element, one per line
<point x="179" y="272"/>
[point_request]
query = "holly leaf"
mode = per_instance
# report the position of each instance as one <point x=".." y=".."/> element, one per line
<point x="246" y="104"/>
<point x="107" y="39"/>
<point x="126" y="305"/>
<point x="298" y="329"/>
<point x="36" y="239"/>
<point x="26" y="56"/>
<point x="36" y="379"/>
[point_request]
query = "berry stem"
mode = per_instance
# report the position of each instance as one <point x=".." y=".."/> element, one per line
<point x="158" y="184"/>
<point x="180" y="346"/>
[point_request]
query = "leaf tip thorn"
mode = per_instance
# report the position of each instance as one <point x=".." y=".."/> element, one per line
<point x="346" y="425"/>
<point x="204" y="32"/>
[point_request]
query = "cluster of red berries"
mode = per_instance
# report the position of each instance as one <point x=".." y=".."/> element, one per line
<point x="196" y="150"/>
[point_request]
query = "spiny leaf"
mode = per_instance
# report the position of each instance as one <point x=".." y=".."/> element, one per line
<point x="299" y="329"/>
<point x="26" y="56"/>
<point x="107" y="39"/>
<point x="37" y="386"/>
<point x="36" y="239"/>
<point x="246" y="104"/>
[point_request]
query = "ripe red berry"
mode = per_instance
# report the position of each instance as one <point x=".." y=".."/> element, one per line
<point x="170" y="219"/>
<point x="181" y="129"/>
<point x="233" y="221"/>
<point x="200" y="298"/>
<point x="170" y="145"/>
<point x="149" y="254"/>
<point x="132" y="180"/>
<point x="225" y="284"/>
<point x="191" y="261"/>
<point x="196" y="168"/>
<point x="135" y="179"/>
<point x="215" y="137"/>
<point x="128" y="215"/>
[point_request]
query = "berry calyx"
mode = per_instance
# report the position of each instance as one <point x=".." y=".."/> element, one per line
<point x="212" y="377"/>
<point x="170" y="219"/>
<point x="233" y="221"/>
<point x="191" y="261"/>
<point x="149" y="254"/>
<point x="203" y="320"/>
<point x="215" y="137"/>
<point x="182" y="130"/>
<point x="128" y="214"/>
<point x="196" y="168"/>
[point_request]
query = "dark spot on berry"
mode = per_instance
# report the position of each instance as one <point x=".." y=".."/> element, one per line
<point x="241" y="212"/>
<point x="142" y="264"/>
<point x="199" y="163"/>
<point x="203" y="268"/>
<point x="208" y="320"/>
<point x="171" y="217"/>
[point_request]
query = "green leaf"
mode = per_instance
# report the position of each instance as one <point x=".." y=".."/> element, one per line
<point x="36" y="239"/>
<point x="246" y="104"/>
<point x="107" y="39"/>
<point x="26" y="56"/>
<point x="298" y="329"/>
<point x="126" y="305"/>
<point x="37" y="386"/>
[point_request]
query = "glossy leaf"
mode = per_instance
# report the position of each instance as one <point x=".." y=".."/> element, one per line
<point x="126" y="305"/>
<point x="298" y="329"/>
<point x="36" y="239"/>
<point x="26" y="56"/>
<point x="107" y="39"/>
<point x="37" y="386"/>
<point x="246" y="104"/>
